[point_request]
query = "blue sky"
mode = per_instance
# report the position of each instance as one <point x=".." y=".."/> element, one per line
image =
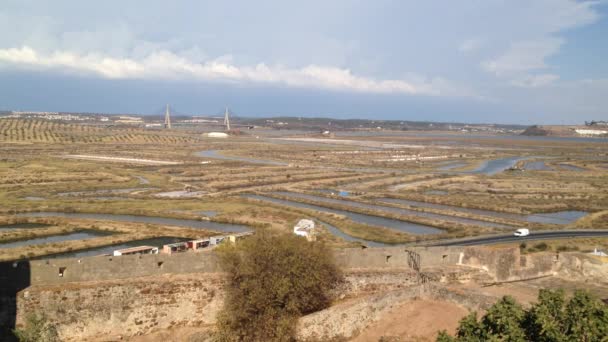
<point x="515" y="61"/>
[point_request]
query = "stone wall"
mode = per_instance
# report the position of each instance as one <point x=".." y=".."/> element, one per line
<point x="61" y="271"/>
<point x="134" y="295"/>
<point x="129" y="307"/>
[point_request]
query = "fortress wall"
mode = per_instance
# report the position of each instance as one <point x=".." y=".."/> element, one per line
<point x="127" y="266"/>
<point x="397" y="257"/>
<point x="499" y="263"/>
<point x="133" y="295"/>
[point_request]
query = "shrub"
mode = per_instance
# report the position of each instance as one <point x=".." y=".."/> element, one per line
<point x="541" y="246"/>
<point x="273" y="280"/>
<point x="552" y="318"/>
<point x="37" y="328"/>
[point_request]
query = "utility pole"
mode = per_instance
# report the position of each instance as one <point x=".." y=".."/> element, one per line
<point x="167" y="118"/>
<point x="227" y="119"/>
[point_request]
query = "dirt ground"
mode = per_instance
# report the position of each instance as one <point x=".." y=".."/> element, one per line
<point x="418" y="320"/>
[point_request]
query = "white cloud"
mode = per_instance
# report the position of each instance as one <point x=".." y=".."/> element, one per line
<point x="164" y="64"/>
<point x="470" y="45"/>
<point x="523" y="56"/>
<point x="533" y="81"/>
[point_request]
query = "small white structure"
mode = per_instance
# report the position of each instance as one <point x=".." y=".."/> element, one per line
<point x="305" y="228"/>
<point x="598" y="252"/>
<point x="216" y="135"/>
<point x="136" y="250"/>
<point x="590" y="132"/>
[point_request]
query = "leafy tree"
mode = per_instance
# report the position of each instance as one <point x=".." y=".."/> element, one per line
<point x="37" y="328"/>
<point x="586" y="319"/>
<point x="470" y="330"/>
<point x="503" y="321"/>
<point x="545" y="320"/>
<point x="273" y="280"/>
<point x="551" y="319"/>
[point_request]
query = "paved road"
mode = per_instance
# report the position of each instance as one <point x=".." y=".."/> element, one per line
<point x="544" y="235"/>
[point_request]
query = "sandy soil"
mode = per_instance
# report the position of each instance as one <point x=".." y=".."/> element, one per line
<point x="419" y="320"/>
<point x="120" y="159"/>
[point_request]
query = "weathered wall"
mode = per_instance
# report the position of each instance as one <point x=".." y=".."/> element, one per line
<point x="134" y="295"/>
<point x="136" y="306"/>
<point x="580" y="266"/>
<point x="126" y="266"/>
<point x="347" y="319"/>
<point x="129" y="307"/>
<point x="503" y="264"/>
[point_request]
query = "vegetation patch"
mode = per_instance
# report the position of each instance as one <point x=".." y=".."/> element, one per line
<point x="273" y="280"/>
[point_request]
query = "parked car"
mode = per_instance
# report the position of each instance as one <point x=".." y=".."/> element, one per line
<point x="522" y="232"/>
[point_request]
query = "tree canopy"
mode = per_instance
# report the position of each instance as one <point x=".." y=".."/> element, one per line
<point x="552" y="319"/>
<point x="273" y="280"/>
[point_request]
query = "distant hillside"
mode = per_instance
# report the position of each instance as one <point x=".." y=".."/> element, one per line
<point x="307" y="123"/>
<point x="567" y="131"/>
<point x="46" y="131"/>
<point x="535" y="131"/>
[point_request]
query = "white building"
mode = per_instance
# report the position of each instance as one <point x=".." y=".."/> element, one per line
<point x="305" y="228"/>
<point x="591" y="132"/>
<point x="216" y="135"/>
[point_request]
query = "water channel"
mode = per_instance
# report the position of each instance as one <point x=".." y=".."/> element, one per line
<point x="538" y="165"/>
<point x="337" y="232"/>
<point x="492" y="167"/>
<point x="407" y="227"/>
<point x="398" y="211"/>
<point x="222" y="227"/>
<point x="561" y="217"/>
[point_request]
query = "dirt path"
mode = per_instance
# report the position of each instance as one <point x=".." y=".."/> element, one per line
<point x="418" y="320"/>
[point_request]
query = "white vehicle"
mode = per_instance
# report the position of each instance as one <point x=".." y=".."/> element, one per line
<point x="522" y="232"/>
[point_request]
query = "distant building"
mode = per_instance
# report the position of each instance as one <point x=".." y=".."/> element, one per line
<point x="590" y="132"/>
<point x="136" y="250"/>
<point x="216" y="135"/>
<point x="175" y="247"/>
<point x="305" y="228"/>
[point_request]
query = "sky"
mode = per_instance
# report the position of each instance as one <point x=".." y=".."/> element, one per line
<point x="491" y="61"/>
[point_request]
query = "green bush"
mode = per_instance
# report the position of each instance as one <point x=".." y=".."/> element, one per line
<point x="551" y="319"/>
<point x="273" y="280"/>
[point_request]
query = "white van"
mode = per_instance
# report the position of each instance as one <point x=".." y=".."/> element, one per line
<point x="522" y="232"/>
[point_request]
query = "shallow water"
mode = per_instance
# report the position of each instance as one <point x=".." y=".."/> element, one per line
<point x="492" y="167"/>
<point x="223" y="227"/>
<point x="537" y="166"/>
<point x="562" y="217"/>
<point x="337" y="232"/>
<point x="55" y="238"/>
<point x="340" y="193"/>
<point x="403" y="226"/>
<point x="436" y="192"/>
<point x="394" y="210"/>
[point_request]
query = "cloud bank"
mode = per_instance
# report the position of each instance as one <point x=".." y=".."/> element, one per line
<point x="168" y="65"/>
